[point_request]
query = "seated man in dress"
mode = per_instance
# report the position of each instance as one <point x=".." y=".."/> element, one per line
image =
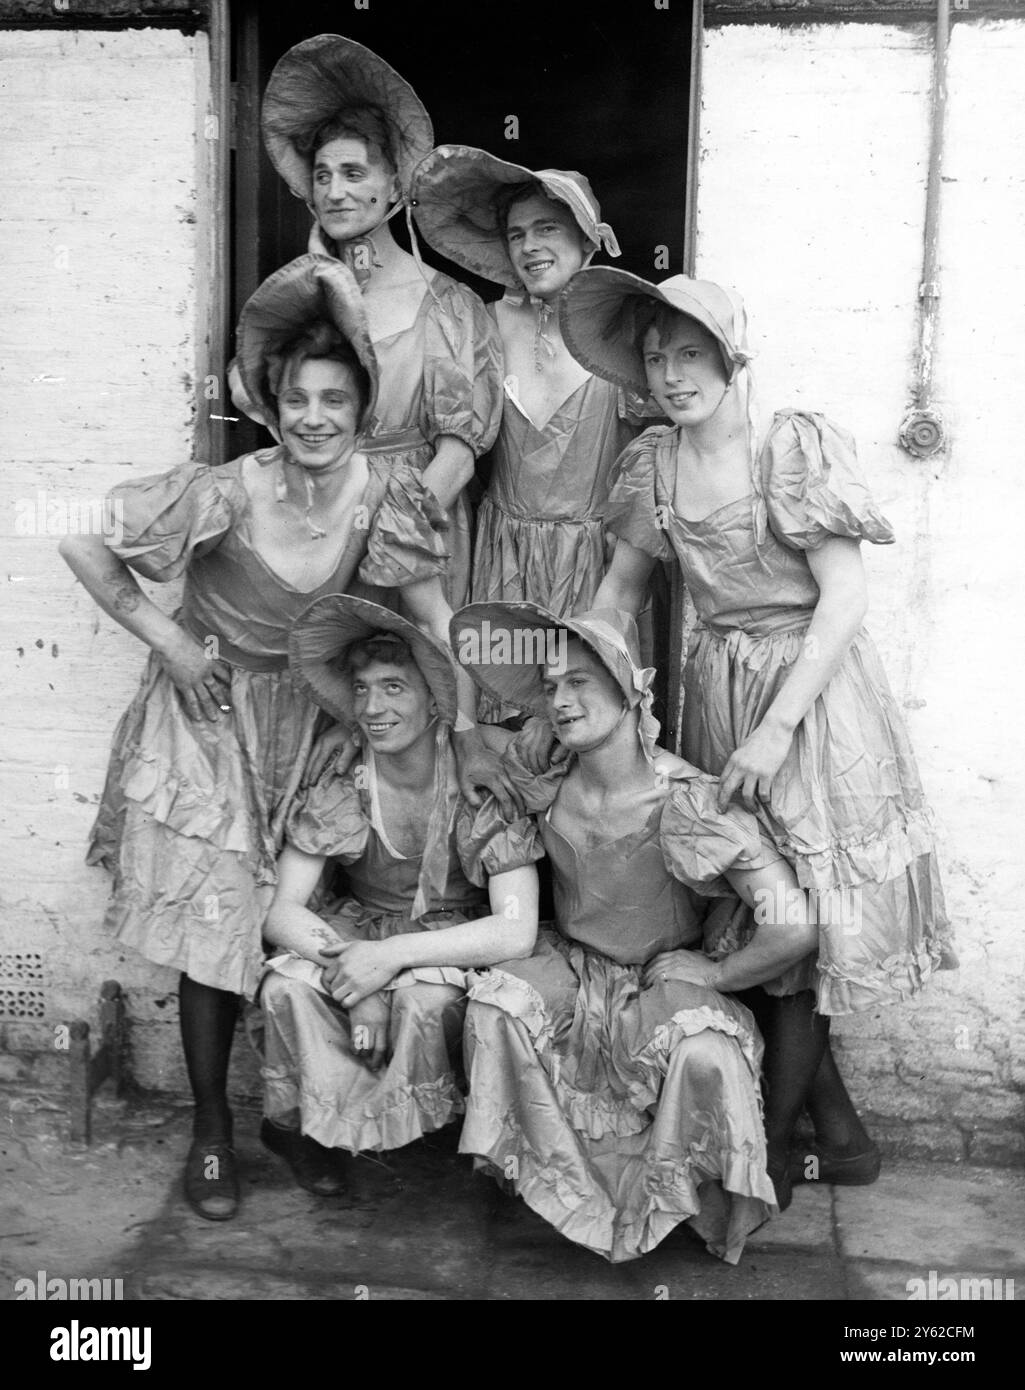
<point x="363" y="1005"/>
<point x="616" y="1095"/>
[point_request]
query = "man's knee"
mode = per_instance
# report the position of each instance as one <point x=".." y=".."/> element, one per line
<point x="706" y="1058"/>
<point x="279" y="993"/>
<point x="424" y="1002"/>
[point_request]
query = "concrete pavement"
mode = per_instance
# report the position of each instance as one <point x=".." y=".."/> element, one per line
<point x="420" y="1224"/>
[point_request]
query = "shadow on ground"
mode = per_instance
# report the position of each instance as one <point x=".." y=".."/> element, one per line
<point x="420" y="1224"/>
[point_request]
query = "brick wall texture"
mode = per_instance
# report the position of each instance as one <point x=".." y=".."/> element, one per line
<point x="813" y="156"/>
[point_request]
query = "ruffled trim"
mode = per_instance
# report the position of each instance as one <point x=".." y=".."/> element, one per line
<point x="163" y="519"/>
<point x="517" y="998"/>
<point x="673" y="1195"/>
<point x="563" y="1185"/>
<point x="159" y="787"/>
<point x="700" y="843"/>
<point x="846" y="863"/>
<point x="631" y="511"/>
<point x="405" y="543"/>
<point x="201" y="781"/>
<point x="539" y="1182"/>
<point x="653" y="1060"/>
<point x="411" y="1112"/>
<point x="227" y="958"/>
<point x="895" y="979"/>
<point x="813" y="486"/>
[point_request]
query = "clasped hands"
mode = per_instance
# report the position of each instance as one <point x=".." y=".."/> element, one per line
<point x="354" y="974"/>
<point x="356" y="969"/>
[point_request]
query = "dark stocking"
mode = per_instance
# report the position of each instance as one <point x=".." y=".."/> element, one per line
<point x="795" y="1040"/>
<point x="208" y="1018"/>
<point x="838" y="1131"/>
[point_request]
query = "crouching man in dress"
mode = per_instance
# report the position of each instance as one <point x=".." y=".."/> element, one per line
<point x="617" y="1097"/>
<point x="363" y="1000"/>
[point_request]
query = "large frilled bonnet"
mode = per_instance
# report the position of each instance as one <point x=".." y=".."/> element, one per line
<point x="598" y="314"/>
<point x="305" y="291"/>
<point x="319" y="641"/>
<point x="454" y="192"/>
<point x="322" y="77"/>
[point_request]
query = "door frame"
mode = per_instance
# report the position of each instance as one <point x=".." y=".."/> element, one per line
<point x="681" y="611"/>
<point x="238" y="132"/>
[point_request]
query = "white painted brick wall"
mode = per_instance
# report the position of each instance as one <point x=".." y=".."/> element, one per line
<point x="812" y="178"/>
<point x="98" y="238"/>
<point x="814" y="150"/>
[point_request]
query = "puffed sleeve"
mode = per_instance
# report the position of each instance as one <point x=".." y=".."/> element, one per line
<point x="631" y="511"/>
<point x="700" y="843"/>
<point x="162" y="520"/>
<point x="406" y="541"/>
<point x="813" y="484"/>
<point x="538" y="790"/>
<point x="463" y="370"/>
<point x="328" y="818"/>
<point x="489" y="844"/>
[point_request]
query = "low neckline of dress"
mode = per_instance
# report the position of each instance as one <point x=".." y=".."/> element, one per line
<point x="667" y="476"/>
<point x="246" y="539"/>
<point x="644" y="830"/>
<point x="698" y="521"/>
<point x="559" y="409"/>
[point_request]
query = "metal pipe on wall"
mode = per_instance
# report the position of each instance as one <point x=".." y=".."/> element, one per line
<point x="922" y="430"/>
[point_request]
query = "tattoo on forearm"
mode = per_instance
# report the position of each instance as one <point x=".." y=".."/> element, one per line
<point x="125" y="594"/>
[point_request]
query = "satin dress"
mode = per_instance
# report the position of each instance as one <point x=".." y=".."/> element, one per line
<point x="192" y="815"/>
<point x="313" y="1079"/>
<point x="617" y="1112"/>
<point x="846" y="808"/>
<point x="440" y="376"/>
<point x="540" y="534"/>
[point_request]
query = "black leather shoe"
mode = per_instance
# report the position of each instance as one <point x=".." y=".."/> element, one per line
<point x="211" y="1180"/>
<point x="861" y="1170"/>
<point x="316" y="1169"/>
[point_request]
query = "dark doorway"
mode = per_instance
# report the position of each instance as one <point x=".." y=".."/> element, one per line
<point x="598" y="87"/>
<point x="602" y="86"/>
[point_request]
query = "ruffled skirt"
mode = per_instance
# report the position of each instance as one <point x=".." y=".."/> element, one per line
<point x="192" y="819"/>
<point x="846" y="809"/>
<point x="313" y="1080"/>
<point x="615" y="1112"/>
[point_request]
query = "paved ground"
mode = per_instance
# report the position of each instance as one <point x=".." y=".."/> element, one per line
<point x="421" y="1225"/>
